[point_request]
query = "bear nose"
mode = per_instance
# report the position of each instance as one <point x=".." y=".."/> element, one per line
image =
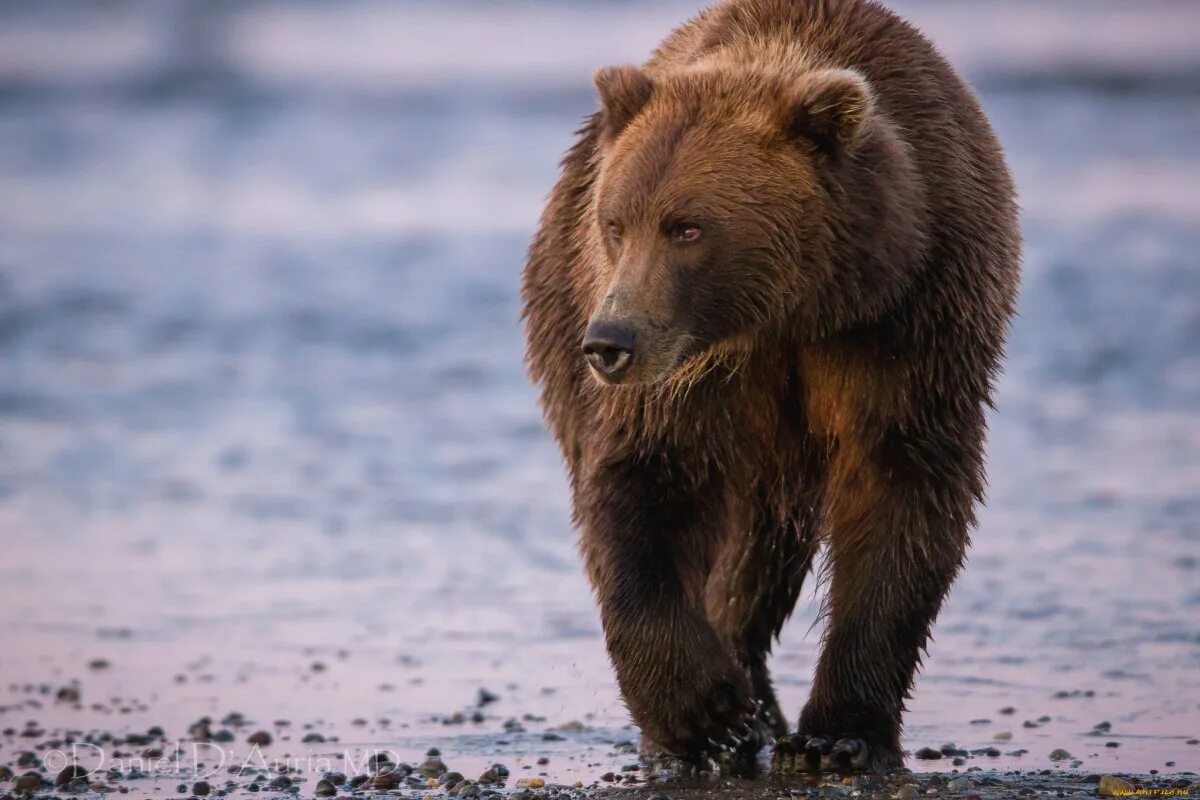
<point x="608" y="348"/>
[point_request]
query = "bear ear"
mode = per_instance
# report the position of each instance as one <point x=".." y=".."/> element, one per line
<point x="829" y="109"/>
<point x="623" y="91"/>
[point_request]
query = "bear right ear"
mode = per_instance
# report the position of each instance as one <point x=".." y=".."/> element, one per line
<point x="623" y="91"/>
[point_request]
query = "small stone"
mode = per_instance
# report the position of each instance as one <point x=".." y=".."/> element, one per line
<point x="484" y="697"/>
<point x="378" y="761"/>
<point x="433" y="767"/>
<point x="384" y="780"/>
<point x="531" y="783"/>
<point x="259" y="739"/>
<point x="1003" y="736"/>
<point x="201" y="788"/>
<point x="201" y="729"/>
<point x="928" y="754"/>
<point x="29" y="782"/>
<point x="71" y="773"/>
<point x="961" y="784"/>
<point x="1058" y="754"/>
<point x="908" y="792"/>
<point x="574" y="726"/>
<point x="325" y="788"/>
<point x="1111" y="785"/>
<point x="281" y="782"/>
<point x="1007" y="710"/>
<point x="313" y="738"/>
<point x="67" y="694"/>
<point x="1112" y="744"/>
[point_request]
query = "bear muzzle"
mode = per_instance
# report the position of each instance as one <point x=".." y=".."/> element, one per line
<point x="609" y="349"/>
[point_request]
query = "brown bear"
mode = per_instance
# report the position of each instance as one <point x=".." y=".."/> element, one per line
<point x="765" y="307"/>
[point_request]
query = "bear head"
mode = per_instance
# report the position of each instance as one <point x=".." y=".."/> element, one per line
<point x="719" y="212"/>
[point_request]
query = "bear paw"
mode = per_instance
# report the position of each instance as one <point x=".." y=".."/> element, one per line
<point x="802" y="752"/>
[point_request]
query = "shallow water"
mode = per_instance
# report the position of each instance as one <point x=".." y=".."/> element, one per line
<point x="262" y="404"/>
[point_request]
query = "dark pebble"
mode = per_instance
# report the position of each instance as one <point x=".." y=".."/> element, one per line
<point x="313" y="738"/>
<point x="378" y="761"/>
<point x="29" y="782"/>
<point x="433" y="767"/>
<point x="259" y="738"/>
<point x="485" y="697"/>
<point x="73" y="772"/>
<point x="325" y="789"/>
<point x="282" y="782"/>
<point x="384" y="780"/>
<point x="68" y="694"/>
<point x="928" y="754"/>
<point x="358" y="780"/>
<point x="201" y="788"/>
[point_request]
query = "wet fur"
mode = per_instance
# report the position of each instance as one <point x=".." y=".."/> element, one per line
<point x="839" y="400"/>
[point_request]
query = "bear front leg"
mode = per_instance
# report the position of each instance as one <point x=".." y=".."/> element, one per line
<point x="648" y="539"/>
<point x="897" y="537"/>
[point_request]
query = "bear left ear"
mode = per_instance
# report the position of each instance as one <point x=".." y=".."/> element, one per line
<point x="829" y="108"/>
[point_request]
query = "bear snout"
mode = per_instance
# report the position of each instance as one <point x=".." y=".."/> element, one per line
<point x="609" y="349"/>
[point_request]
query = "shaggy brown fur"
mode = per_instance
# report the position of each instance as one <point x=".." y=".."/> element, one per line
<point x="791" y="241"/>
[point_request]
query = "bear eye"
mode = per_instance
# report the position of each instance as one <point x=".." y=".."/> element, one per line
<point x="614" y="232"/>
<point x="686" y="233"/>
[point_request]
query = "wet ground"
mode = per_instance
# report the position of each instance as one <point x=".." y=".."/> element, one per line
<point x="268" y="455"/>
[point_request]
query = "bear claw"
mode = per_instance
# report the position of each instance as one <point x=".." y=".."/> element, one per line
<point x="803" y="753"/>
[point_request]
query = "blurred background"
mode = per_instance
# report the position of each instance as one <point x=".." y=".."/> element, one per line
<point x="266" y="442"/>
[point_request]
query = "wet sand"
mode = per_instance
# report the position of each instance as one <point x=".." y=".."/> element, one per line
<point x="266" y="445"/>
